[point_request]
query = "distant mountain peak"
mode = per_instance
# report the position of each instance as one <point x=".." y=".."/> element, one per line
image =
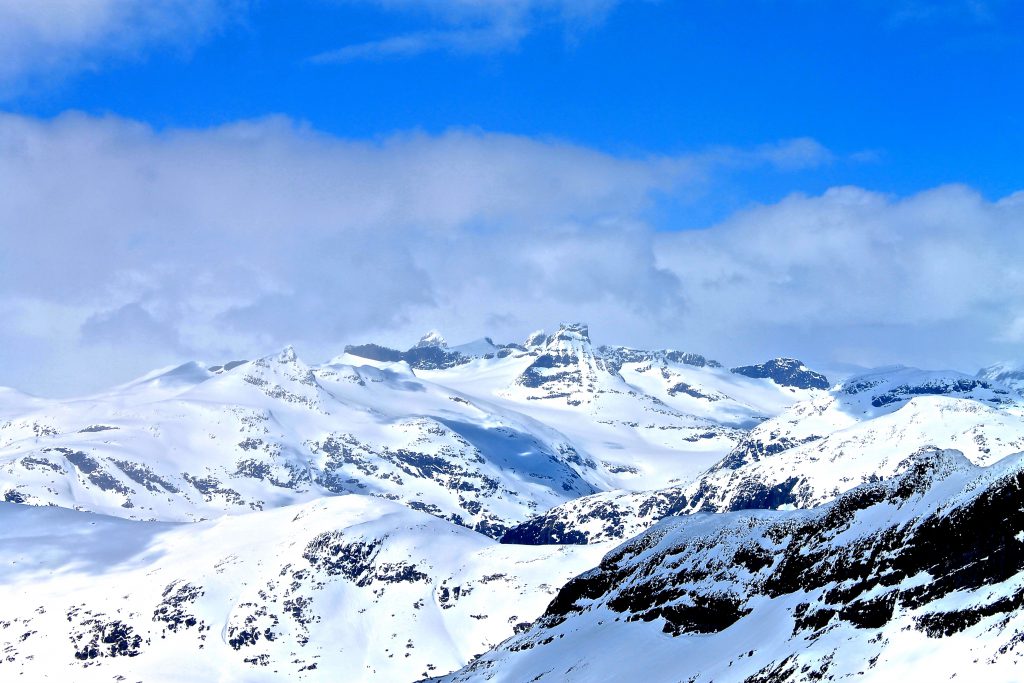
<point x="573" y="330"/>
<point x="1007" y="373"/>
<point x="287" y="355"/>
<point x="787" y="372"/>
<point x="433" y="338"/>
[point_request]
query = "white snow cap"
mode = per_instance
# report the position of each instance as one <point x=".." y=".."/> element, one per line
<point x="432" y="338"/>
<point x="287" y="355"/>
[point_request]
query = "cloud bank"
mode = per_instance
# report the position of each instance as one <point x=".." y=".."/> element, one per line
<point x="123" y="249"/>
<point x="57" y="37"/>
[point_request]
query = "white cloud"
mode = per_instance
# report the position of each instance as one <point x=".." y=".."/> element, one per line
<point x="472" y="26"/>
<point x="123" y="249"/>
<point x="56" y="37"/>
<point x="930" y="278"/>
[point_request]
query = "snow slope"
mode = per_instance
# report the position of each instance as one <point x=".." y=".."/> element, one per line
<point x="344" y="588"/>
<point x="485" y="441"/>
<point x="645" y="418"/>
<point x="920" y="577"/>
<point x="271" y="520"/>
<point x="185" y="445"/>
<point x="859" y="431"/>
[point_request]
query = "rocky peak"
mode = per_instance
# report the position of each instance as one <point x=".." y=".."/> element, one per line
<point x="284" y="376"/>
<point x="579" y="331"/>
<point x="287" y="355"/>
<point x="535" y="340"/>
<point x="786" y="372"/>
<point x="571" y="339"/>
<point x="432" y="339"/>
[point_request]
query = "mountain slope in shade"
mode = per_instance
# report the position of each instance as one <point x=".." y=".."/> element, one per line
<point x="921" y="575"/>
<point x="346" y="588"/>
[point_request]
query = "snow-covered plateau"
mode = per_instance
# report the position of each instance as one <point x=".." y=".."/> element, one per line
<point x="550" y="510"/>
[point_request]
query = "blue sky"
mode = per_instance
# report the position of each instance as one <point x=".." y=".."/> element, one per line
<point x="921" y="93"/>
<point x="592" y="122"/>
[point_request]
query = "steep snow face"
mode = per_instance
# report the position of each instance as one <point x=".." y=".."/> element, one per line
<point x="811" y="453"/>
<point x="345" y="588"/>
<point x="642" y="416"/>
<point x="273" y="432"/>
<point x="883" y="584"/>
<point x="819" y="448"/>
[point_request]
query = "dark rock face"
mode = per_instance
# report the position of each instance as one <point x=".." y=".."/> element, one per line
<point x="97" y="637"/>
<point x="92" y="469"/>
<point x="227" y="367"/>
<point x="142" y="474"/>
<point x="421" y="357"/>
<point x="884" y="393"/>
<point x="617" y="356"/>
<point x="534" y="378"/>
<point x="13" y="496"/>
<point x="174" y="610"/>
<point x="357" y="561"/>
<point x="545" y="530"/>
<point x="592" y="519"/>
<point x="854" y="563"/>
<point x="938" y="388"/>
<point x="753" y="450"/>
<point x="375" y="352"/>
<point x="786" y="372"/>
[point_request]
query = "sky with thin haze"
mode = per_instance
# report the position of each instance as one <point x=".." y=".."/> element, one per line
<point x="214" y="179"/>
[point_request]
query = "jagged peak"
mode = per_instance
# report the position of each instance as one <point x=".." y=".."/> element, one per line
<point x="571" y="338"/>
<point x="287" y="355"/>
<point x="536" y="339"/>
<point x="577" y="329"/>
<point x="432" y="338"/>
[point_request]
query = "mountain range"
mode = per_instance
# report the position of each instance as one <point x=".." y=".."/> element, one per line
<point x="544" y="510"/>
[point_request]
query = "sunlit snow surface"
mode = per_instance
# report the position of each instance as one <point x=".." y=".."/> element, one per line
<point x="272" y="520"/>
<point x="345" y="588"/>
<point x="920" y="577"/>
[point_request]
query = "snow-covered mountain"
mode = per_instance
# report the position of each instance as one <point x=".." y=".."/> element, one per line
<point x="813" y="451"/>
<point x="485" y="442"/>
<point x="342" y="588"/>
<point x="266" y="519"/>
<point x="1008" y="374"/>
<point x="919" y="577"/>
<point x="193" y="443"/>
